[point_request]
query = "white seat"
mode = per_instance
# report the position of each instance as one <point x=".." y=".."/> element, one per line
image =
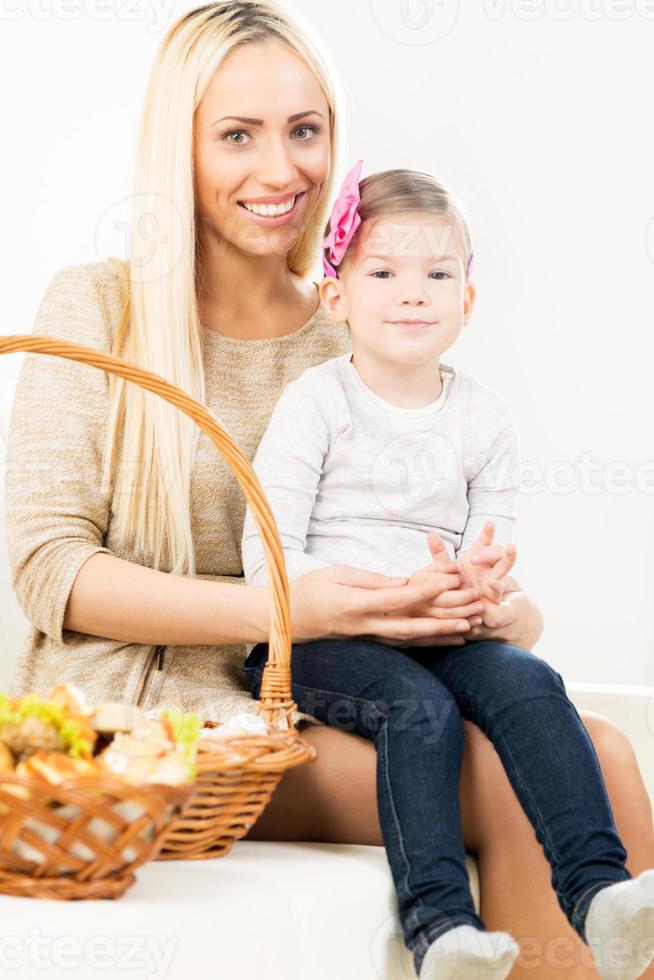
<point x="275" y="910"/>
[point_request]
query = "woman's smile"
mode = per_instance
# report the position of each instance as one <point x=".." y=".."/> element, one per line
<point x="272" y="213"/>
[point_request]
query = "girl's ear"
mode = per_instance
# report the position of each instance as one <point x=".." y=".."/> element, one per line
<point x="332" y="298"/>
<point x="469" y="294"/>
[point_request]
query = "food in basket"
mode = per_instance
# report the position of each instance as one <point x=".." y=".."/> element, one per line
<point x="54" y="767"/>
<point x="113" y="717"/>
<point x="50" y="739"/>
<point x="241" y="724"/>
<point x="161" y="751"/>
<point x="50" y="742"/>
<point x="53" y="724"/>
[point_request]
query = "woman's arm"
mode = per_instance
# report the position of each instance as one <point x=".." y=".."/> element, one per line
<point x="124" y="601"/>
<point x="57" y="508"/>
<point x="121" y="600"/>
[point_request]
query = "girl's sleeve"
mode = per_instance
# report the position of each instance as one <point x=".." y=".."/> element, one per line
<point x="56" y="511"/>
<point x="288" y="463"/>
<point x="493" y="492"/>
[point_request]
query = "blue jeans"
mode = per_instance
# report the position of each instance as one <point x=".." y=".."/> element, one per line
<point x="411" y="703"/>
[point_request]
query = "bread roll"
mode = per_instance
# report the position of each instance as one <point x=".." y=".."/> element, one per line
<point x="116" y="717"/>
<point x="171" y="769"/>
<point x="72" y="697"/>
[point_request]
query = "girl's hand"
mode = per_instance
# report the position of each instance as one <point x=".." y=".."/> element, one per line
<point x="484" y="566"/>
<point x="501" y="621"/>
<point x="341" y="601"/>
<point x="455" y="601"/>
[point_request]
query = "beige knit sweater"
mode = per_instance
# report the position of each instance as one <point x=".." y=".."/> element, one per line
<point x="57" y="514"/>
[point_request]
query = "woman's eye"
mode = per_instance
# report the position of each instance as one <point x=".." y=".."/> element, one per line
<point x="445" y="274"/>
<point x="234" y="132"/>
<point x="313" y="130"/>
<point x="381" y="273"/>
<point x="235" y="136"/>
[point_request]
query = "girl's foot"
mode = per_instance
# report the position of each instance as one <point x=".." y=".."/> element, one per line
<point x="619" y="927"/>
<point x="466" y="953"/>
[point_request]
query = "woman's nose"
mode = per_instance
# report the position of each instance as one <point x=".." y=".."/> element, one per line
<point x="276" y="167"/>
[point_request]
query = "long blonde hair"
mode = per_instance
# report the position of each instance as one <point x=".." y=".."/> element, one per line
<point x="150" y="445"/>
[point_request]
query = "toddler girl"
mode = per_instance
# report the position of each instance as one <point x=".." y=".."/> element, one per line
<point x="376" y="459"/>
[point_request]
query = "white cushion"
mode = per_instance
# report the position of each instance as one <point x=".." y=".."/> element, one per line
<point x="266" y="910"/>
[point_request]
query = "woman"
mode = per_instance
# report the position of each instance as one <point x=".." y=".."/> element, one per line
<point x="125" y="545"/>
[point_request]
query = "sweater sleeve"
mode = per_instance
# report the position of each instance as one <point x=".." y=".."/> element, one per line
<point x="493" y="491"/>
<point x="288" y="463"/>
<point x="56" y="511"/>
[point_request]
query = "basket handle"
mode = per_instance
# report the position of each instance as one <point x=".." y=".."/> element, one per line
<point x="276" y="702"/>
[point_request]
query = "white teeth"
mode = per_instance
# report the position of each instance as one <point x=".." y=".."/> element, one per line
<point x="269" y="210"/>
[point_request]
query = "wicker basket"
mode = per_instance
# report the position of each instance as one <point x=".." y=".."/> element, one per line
<point x="233" y="787"/>
<point x="233" y="783"/>
<point x="81" y="838"/>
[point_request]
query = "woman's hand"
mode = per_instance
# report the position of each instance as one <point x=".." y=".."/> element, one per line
<point x="342" y="601"/>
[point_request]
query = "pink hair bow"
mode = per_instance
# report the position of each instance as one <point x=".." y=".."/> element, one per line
<point x="343" y="221"/>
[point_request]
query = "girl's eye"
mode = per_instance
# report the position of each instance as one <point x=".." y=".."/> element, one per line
<point x="383" y="273"/>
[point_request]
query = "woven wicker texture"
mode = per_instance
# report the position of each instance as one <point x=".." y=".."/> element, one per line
<point x="234" y="783"/>
<point x="81" y="838"/>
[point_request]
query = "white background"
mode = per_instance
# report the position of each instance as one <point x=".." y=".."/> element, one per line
<point x="539" y="117"/>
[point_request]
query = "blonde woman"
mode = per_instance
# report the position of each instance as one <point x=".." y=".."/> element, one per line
<point x="124" y="524"/>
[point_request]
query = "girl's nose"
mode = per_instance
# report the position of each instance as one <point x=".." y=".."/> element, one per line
<point x="411" y="289"/>
<point x="415" y="296"/>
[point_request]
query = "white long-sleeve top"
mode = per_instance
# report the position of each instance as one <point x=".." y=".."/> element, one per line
<point x="352" y="478"/>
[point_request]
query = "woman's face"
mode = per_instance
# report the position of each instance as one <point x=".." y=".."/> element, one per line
<point x="261" y="143"/>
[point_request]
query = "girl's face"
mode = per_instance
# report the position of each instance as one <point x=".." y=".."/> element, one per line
<point x="261" y="138"/>
<point x="402" y="268"/>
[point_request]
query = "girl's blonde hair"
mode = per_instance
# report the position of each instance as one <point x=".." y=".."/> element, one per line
<point x="147" y="439"/>
<point x="394" y="191"/>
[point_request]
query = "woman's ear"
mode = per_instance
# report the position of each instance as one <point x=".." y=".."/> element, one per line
<point x="332" y="297"/>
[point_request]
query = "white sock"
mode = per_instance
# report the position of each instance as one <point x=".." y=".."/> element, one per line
<point x="619" y="927"/>
<point x="466" y="953"/>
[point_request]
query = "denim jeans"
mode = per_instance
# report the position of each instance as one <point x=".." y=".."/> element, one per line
<point x="411" y="703"/>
